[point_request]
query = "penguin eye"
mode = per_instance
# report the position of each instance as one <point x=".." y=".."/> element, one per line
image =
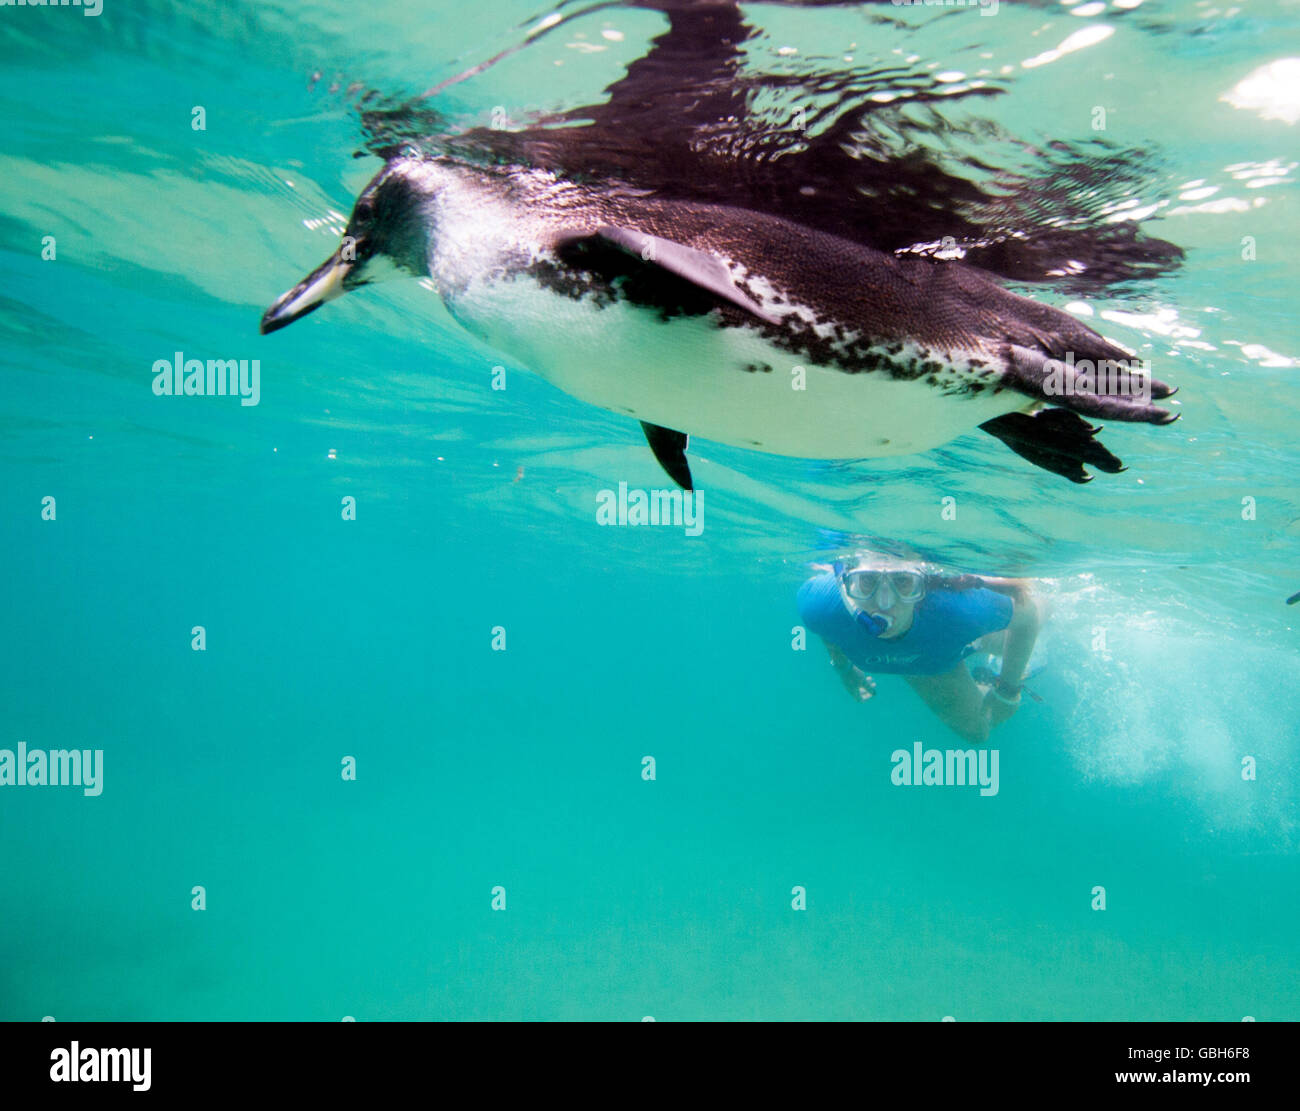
<point x="363" y="212"/>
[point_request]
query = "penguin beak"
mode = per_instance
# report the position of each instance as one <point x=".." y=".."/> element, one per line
<point x="321" y="285"/>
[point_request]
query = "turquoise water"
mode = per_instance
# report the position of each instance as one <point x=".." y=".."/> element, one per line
<point x="1171" y="651"/>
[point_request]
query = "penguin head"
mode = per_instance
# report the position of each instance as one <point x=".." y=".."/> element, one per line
<point x="387" y="237"/>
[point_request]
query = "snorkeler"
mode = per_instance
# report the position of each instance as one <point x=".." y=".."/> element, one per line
<point x="880" y="614"/>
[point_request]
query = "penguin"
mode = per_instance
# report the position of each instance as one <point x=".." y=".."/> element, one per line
<point x="731" y="324"/>
<point x="621" y="252"/>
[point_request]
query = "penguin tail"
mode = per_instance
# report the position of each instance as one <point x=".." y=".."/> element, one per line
<point x="1095" y="378"/>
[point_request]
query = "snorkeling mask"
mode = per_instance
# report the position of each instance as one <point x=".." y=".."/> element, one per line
<point x="864" y="584"/>
<point x="861" y="585"/>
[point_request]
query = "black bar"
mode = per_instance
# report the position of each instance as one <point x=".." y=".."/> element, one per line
<point x="358" y="1059"/>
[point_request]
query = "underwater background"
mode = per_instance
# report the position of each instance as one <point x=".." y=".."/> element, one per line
<point x="1170" y="655"/>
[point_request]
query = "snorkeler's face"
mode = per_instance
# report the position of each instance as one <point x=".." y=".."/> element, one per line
<point x="888" y="596"/>
<point x="888" y="606"/>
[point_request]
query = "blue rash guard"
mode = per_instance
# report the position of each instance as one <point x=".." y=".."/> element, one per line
<point x="945" y="625"/>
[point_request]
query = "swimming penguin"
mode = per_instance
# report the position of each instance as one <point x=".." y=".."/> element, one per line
<point x="692" y="317"/>
<point x="726" y="320"/>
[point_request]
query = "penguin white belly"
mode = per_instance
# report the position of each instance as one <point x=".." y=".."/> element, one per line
<point x="690" y="375"/>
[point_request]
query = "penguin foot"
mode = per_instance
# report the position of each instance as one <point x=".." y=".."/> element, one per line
<point x="1057" y="440"/>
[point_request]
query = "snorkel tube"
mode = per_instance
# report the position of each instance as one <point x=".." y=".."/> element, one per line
<point x="876" y="624"/>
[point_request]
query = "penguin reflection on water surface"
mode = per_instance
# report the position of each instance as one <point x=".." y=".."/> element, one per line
<point x="689" y="315"/>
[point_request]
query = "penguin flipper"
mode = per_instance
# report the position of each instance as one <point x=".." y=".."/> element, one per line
<point x="1057" y="440"/>
<point x="702" y="269"/>
<point x="670" y="449"/>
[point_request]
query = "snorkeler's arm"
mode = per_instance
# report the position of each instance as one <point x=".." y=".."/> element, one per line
<point x="1014" y="589"/>
<point x="1022" y="632"/>
<point x="1027" y="612"/>
<point x="860" y="685"/>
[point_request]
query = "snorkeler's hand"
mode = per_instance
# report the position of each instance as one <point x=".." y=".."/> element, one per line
<point x="999" y="707"/>
<point x="858" y="684"/>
